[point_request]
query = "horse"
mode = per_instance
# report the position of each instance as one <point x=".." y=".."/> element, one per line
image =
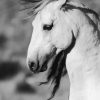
<point x="68" y="34"/>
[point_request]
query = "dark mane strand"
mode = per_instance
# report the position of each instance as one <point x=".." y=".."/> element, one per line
<point x="56" y="72"/>
<point x="53" y="70"/>
<point x="30" y="6"/>
<point x="57" y="78"/>
<point x="68" y="6"/>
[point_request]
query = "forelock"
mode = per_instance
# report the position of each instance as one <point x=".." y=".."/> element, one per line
<point x="34" y="6"/>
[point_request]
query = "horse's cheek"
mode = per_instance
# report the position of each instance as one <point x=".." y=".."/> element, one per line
<point x="62" y="39"/>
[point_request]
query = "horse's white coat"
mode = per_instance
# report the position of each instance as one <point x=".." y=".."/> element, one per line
<point x="83" y="62"/>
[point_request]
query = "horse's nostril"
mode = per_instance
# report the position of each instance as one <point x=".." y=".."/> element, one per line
<point x="32" y="66"/>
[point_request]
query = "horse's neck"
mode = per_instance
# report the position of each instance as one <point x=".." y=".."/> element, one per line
<point x="83" y="63"/>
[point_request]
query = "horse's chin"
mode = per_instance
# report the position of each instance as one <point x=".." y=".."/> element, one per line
<point x="44" y="67"/>
<point x="39" y="69"/>
<point x="47" y="64"/>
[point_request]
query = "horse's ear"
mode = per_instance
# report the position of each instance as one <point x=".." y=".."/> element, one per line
<point x="61" y="2"/>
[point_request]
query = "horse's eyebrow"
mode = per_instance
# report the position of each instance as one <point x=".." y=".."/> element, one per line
<point x="51" y="22"/>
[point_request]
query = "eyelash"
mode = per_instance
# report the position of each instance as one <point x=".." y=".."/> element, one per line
<point x="48" y="27"/>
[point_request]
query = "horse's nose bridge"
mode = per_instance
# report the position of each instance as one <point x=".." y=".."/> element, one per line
<point x="32" y="52"/>
<point x="35" y="45"/>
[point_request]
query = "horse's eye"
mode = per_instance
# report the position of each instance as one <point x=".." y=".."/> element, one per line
<point x="48" y="27"/>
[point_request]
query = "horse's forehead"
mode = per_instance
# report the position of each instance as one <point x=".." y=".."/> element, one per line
<point x="46" y="16"/>
<point x="48" y="13"/>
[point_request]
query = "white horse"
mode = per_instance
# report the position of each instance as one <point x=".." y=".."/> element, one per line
<point x="70" y="27"/>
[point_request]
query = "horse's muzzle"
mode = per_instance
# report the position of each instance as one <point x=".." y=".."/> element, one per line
<point x="32" y="66"/>
<point x="36" y="68"/>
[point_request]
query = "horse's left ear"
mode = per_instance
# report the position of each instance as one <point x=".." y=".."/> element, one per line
<point x="60" y="3"/>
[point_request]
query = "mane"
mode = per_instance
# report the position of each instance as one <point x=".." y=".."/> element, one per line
<point x="34" y="6"/>
<point x="68" y="6"/>
<point x="56" y="72"/>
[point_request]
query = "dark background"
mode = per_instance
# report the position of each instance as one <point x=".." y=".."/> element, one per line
<point x="16" y="81"/>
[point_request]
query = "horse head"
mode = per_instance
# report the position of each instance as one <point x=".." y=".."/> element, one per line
<point x="52" y="33"/>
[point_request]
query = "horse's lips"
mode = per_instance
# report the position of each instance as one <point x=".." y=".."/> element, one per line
<point x="44" y="68"/>
<point x="39" y="68"/>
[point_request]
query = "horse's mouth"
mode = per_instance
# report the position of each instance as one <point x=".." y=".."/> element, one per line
<point x="44" y="66"/>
